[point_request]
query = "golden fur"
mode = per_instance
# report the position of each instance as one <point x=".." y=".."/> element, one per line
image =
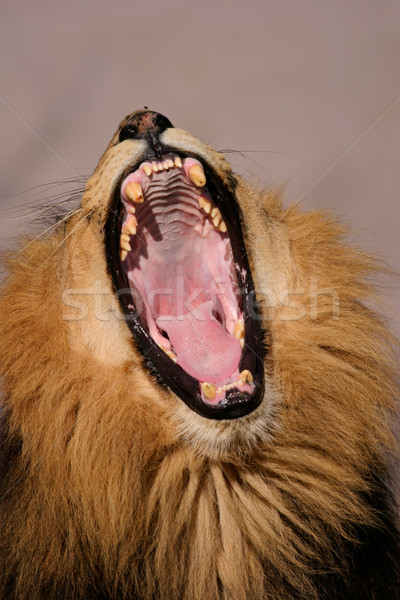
<point x="118" y="477"/>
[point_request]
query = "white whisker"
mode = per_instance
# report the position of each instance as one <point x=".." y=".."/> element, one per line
<point x="50" y="229"/>
<point x="70" y="233"/>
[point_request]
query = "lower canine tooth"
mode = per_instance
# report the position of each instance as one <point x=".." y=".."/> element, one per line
<point x="209" y="390"/>
<point x="197" y="176"/>
<point x="134" y="192"/>
<point x="205" y="204"/>
<point x="246" y="377"/>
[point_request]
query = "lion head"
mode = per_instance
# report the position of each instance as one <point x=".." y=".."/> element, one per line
<point x="197" y="398"/>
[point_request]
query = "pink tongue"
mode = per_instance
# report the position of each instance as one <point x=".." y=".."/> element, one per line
<point x="204" y="348"/>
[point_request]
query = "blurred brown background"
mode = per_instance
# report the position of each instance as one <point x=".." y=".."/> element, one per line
<point x="308" y="91"/>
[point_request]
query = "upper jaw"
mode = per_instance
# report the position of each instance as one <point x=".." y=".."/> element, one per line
<point x="233" y="396"/>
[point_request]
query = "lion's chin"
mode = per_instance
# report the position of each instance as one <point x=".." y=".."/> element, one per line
<point x="228" y="439"/>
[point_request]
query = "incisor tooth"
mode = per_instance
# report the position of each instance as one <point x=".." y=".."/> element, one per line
<point x="147" y="169"/>
<point x="155" y="167"/>
<point x="123" y="254"/>
<point x="209" y="390"/>
<point x="170" y="163"/>
<point x="205" y="204"/>
<point x="178" y="162"/>
<point x="246" y="377"/>
<point x="222" y="226"/>
<point x="134" y="192"/>
<point x="197" y="176"/>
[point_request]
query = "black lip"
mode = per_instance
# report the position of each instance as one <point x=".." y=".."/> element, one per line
<point x="237" y="403"/>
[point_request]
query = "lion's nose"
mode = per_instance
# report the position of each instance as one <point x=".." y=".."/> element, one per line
<point x="144" y="122"/>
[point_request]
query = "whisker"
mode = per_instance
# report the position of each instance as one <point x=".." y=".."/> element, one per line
<point x="38" y="189"/>
<point x="50" y="229"/>
<point x="244" y="152"/>
<point x="26" y="216"/>
<point x="44" y="203"/>
<point x="70" y="233"/>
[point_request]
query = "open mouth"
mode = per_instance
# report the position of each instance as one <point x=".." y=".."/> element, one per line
<point x="176" y="254"/>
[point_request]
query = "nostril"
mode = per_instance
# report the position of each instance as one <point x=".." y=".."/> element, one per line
<point x="162" y="122"/>
<point x="143" y="122"/>
<point x="129" y="131"/>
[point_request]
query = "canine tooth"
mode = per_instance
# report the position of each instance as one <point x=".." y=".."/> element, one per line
<point x="124" y="244"/>
<point x="205" y="204"/>
<point x="123" y="254"/>
<point x="134" y="192"/>
<point x="209" y="390"/>
<point x="147" y="169"/>
<point x="178" y="162"/>
<point x="217" y="220"/>
<point x="222" y="226"/>
<point x="197" y="176"/>
<point x="246" y="377"/>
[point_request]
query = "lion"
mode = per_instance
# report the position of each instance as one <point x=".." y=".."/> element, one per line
<point x="197" y="395"/>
